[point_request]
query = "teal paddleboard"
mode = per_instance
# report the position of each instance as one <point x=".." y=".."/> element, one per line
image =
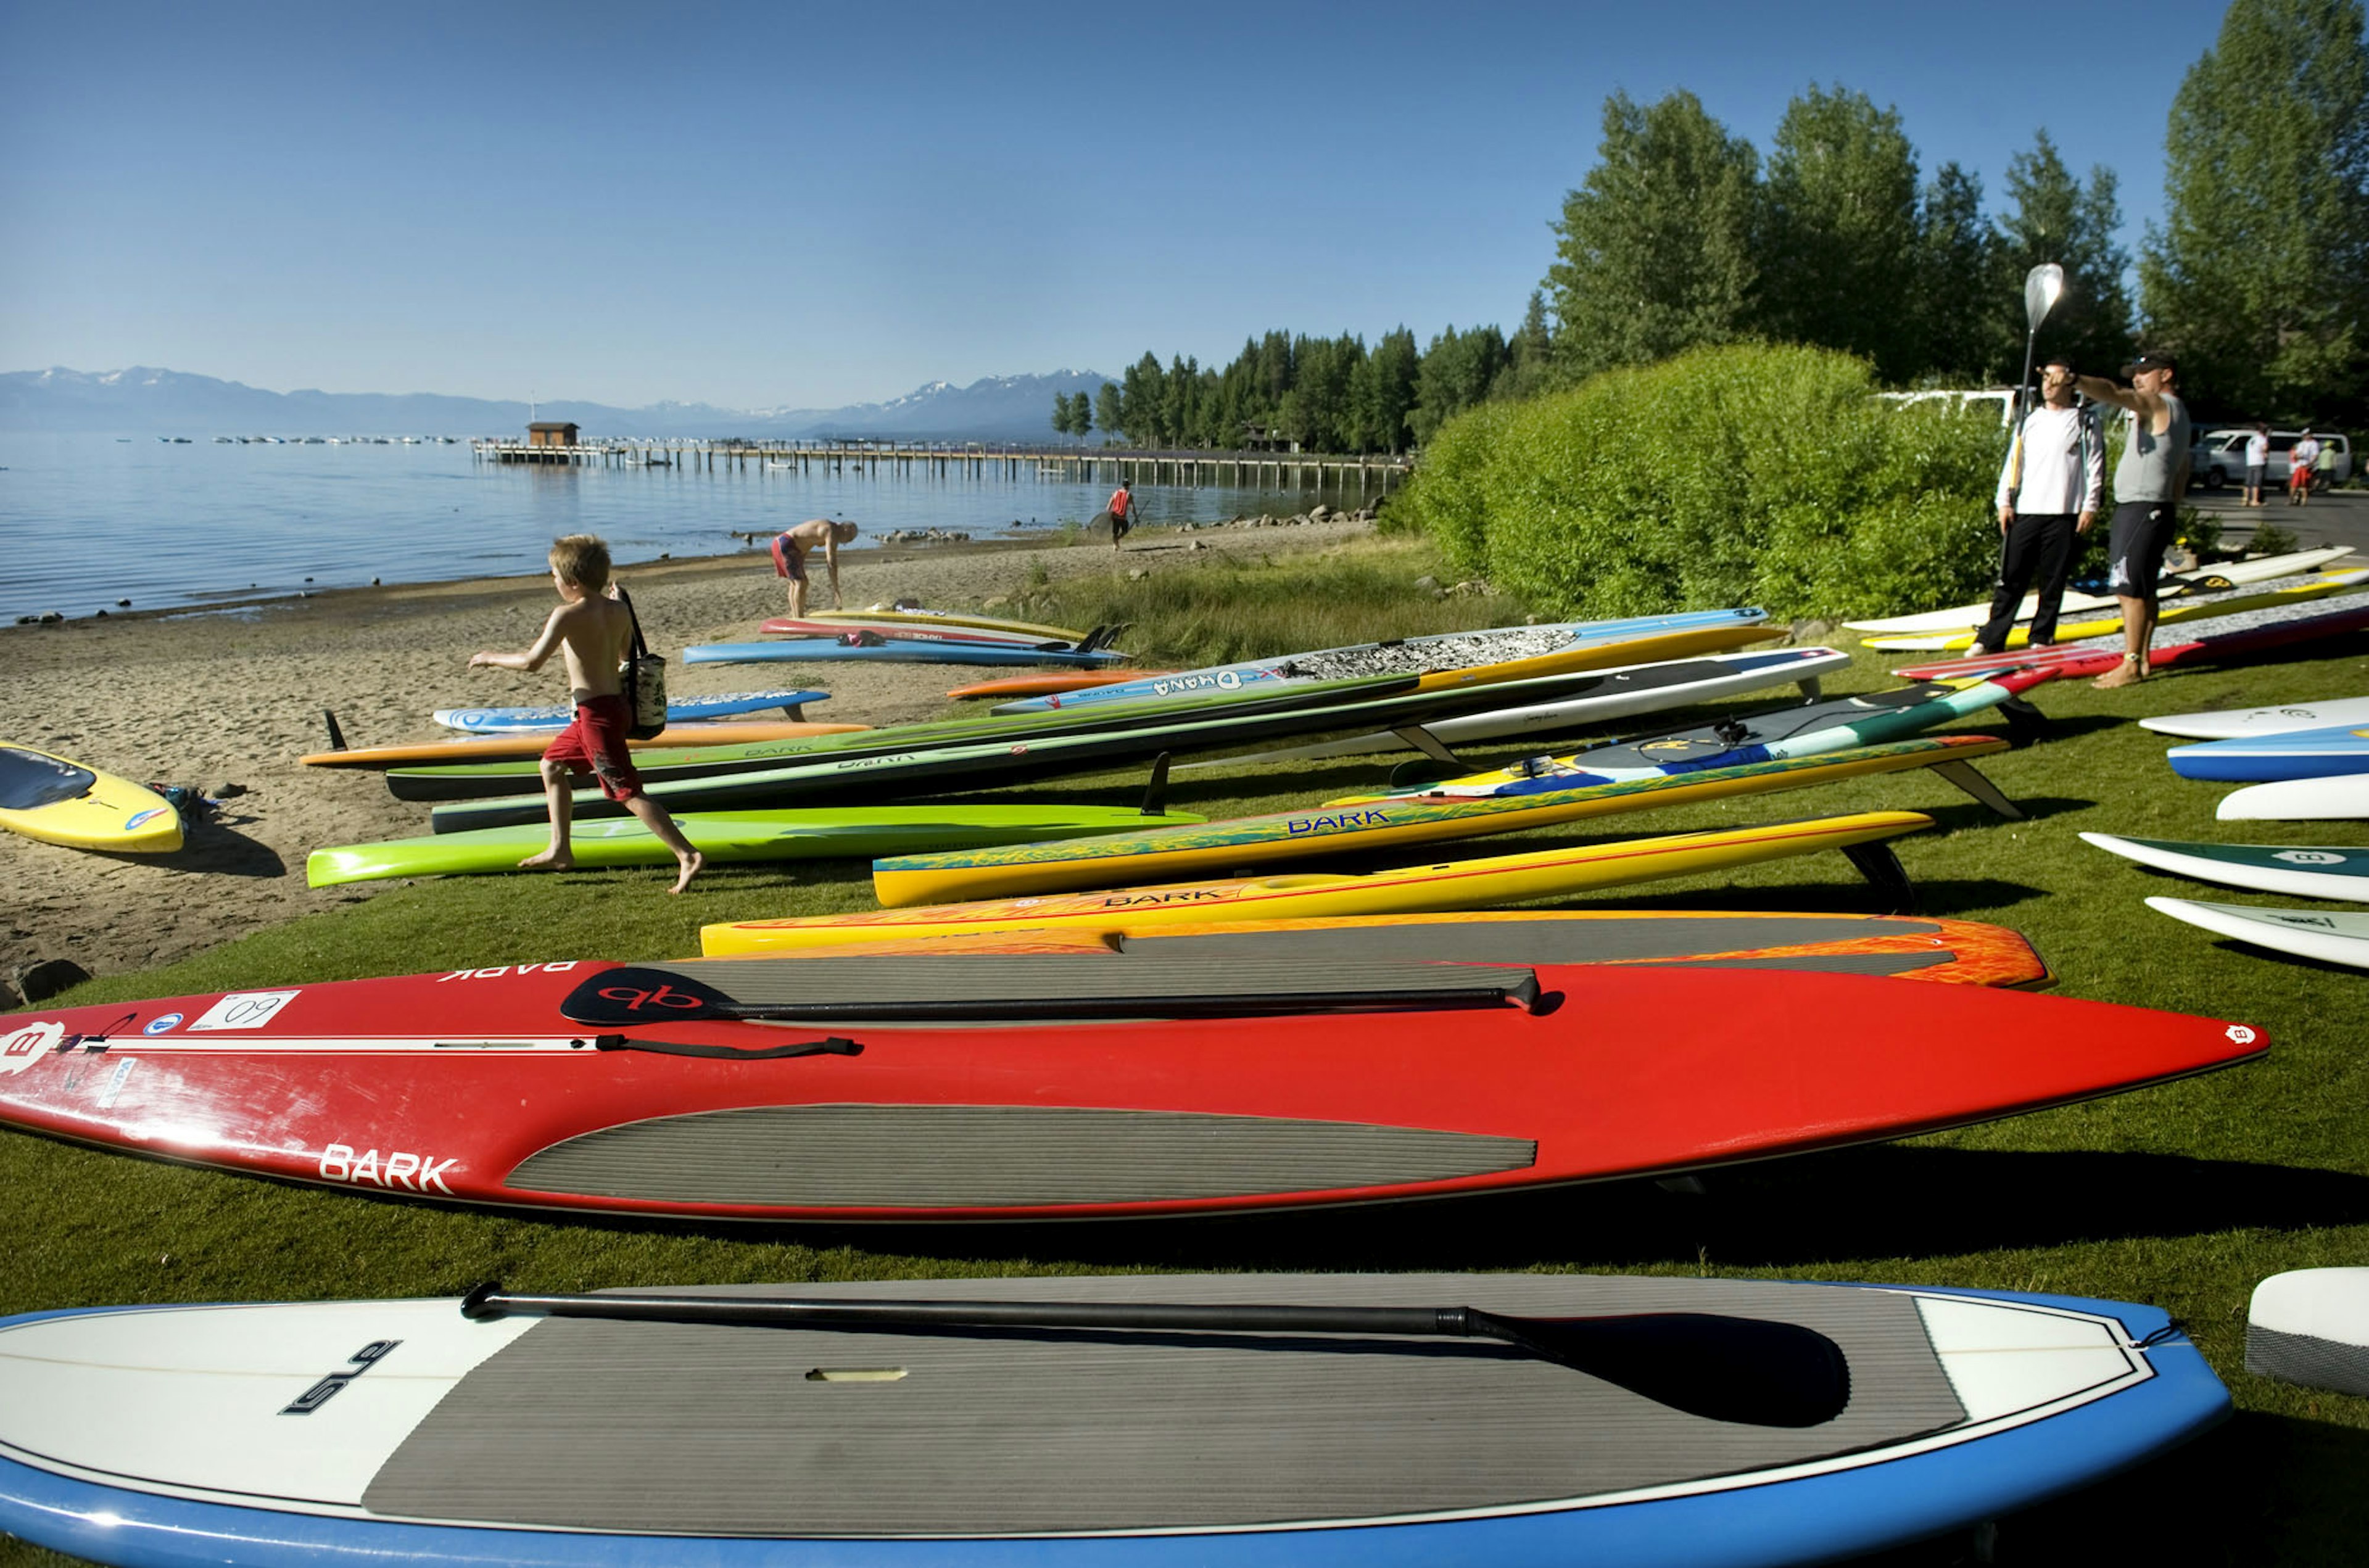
<point x="815" y="833"/>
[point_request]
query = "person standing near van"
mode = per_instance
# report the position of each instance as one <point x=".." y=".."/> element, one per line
<point x="2048" y="495"/>
<point x="2258" y="460"/>
<point x="2300" y="463"/>
<point x="2148" y="486"/>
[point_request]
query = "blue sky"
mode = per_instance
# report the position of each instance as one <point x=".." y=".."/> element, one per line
<point x="783" y="206"/>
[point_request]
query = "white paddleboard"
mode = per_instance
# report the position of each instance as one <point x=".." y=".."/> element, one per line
<point x="2308" y="871"/>
<point x="2311" y="1326"/>
<point x="2235" y="724"/>
<point x="2331" y="938"/>
<point x="1970" y="617"/>
<point x="1616" y="693"/>
<point x="2338" y="798"/>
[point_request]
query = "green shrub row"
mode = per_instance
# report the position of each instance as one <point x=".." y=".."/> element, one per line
<point x="1745" y="475"/>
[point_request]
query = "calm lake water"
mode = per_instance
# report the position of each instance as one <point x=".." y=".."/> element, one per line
<point x="86" y="520"/>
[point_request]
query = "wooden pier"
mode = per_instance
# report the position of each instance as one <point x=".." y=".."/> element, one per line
<point x="1092" y="465"/>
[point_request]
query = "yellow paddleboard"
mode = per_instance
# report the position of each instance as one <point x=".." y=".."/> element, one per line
<point x="515" y="747"/>
<point x="60" y="801"/>
<point x="929" y="618"/>
<point x="1175" y="855"/>
<point x="2171" y="610"/>
<point x="1454" y="885"/>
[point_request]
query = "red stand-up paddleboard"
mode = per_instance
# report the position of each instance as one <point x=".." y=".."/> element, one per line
<point x="1053" y="1086"/>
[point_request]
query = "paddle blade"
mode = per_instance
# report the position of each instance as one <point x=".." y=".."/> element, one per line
<point x="1748" y="1370"/>
<point x="628" y="995"/>
<point x="2042" y="286"/>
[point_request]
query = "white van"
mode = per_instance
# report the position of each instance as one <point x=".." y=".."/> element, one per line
<point x="2218" y="458"/>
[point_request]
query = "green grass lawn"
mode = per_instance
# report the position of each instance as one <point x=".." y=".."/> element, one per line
<point x="2183" y="1195"/>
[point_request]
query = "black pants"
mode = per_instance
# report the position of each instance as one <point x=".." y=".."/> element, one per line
<point x="2038" y="545"/>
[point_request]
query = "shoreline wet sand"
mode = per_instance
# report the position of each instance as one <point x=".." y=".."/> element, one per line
<point x="232" y="696"/>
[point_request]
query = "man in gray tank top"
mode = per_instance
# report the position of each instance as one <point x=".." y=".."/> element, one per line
<point x="2147" y="487"/>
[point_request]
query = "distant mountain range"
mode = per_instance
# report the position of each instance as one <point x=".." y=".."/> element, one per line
<point x="142" y="401"/>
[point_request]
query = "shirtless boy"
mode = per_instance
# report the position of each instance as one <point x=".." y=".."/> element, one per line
<point x="790" y="548"/>
<point x="593" y="631"/>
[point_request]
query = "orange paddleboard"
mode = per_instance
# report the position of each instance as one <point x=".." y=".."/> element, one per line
<point x="510" y="747"/>
<point x="1054" y="684"/>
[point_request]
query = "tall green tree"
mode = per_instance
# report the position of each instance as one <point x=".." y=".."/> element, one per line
<point x="1144" y="400"/>
<point x="1060" y="413"/>
<point x="1456" y="374"/>
<point x="1081" y="414"/>
<point x="1838" y="218"/>
<point x="1110" y="400"/>
<point x="1961" y="339"/>
<point x="1391" y="372"/>
<point x="1530" y="368"/>
<point x="1654" y="250"/>
<point x="2056" y="218"/>
<point x="2260" y="275"/>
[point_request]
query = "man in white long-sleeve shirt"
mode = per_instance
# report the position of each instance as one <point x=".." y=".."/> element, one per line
<point x="2048" y="495"/>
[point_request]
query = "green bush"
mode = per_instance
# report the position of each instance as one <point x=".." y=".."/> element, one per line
<point x="1747" y="475"/>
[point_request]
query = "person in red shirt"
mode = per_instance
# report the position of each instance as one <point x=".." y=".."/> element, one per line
<point x="1121" y="512"/>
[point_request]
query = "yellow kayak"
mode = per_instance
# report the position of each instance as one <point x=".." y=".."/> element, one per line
<point x="60" y="801"/>
<point x="1453" y="885"/>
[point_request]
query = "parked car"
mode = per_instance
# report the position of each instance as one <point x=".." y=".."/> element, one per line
<point x="2218" y="457"/>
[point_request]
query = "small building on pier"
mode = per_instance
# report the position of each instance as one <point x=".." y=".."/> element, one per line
<point x="551" y="433"/>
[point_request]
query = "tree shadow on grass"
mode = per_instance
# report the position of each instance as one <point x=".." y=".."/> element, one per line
<point x="1882" y="1201"/>
<point x="2260" y="1488"/>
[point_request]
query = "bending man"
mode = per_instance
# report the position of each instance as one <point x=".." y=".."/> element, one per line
<point x="2147" y="487"/>
<point x="2047" y="494"/>
<point x="790" y="547"/>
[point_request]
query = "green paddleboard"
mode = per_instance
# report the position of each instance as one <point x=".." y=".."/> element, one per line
<point x="726" y="836"/>
<point x="471" y="781"/>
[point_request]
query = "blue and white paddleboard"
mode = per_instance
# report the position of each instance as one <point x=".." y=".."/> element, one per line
<point x="1413" y="656"/>
<point x="1721" y="1422"/>
<point x="2266" y="758"/>
<point x="505" y="721"/>
<point x="798" y="650"/>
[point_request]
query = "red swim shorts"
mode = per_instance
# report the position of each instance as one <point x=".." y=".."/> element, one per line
<point x="595" y="743"/>
<point x="789" y="561"/>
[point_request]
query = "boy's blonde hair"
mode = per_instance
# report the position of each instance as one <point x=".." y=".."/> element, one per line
<point x="582" y="559"/>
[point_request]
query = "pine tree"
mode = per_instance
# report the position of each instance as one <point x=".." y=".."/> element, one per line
<point x="2260" y="277"/>
<point x="2057" y="219"/>
<point x="1655" y="249"/>
<point x="1839" y="230"/>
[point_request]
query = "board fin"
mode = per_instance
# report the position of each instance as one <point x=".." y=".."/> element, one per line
<point x="1155" y="788"/>
<point x="337" y="736"/>
<point x="1430" y="744"/>
<point x="2025" y="724"/>
<point x="1812" y="689"/>
<point x="1965" y="776"/>
<point x="1885" y="874"/>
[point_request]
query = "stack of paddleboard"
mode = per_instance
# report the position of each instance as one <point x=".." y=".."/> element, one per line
<point x="895" y="637"/>
<point x="1330" y="1421"/>
<point x="1970" y="618"/>
<point x="2319" y="752"/>
<point x="2297" y="589"/>
<point x="2233" y="635"/>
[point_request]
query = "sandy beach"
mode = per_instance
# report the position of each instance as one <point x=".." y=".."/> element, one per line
<point x="230" y="699"/>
